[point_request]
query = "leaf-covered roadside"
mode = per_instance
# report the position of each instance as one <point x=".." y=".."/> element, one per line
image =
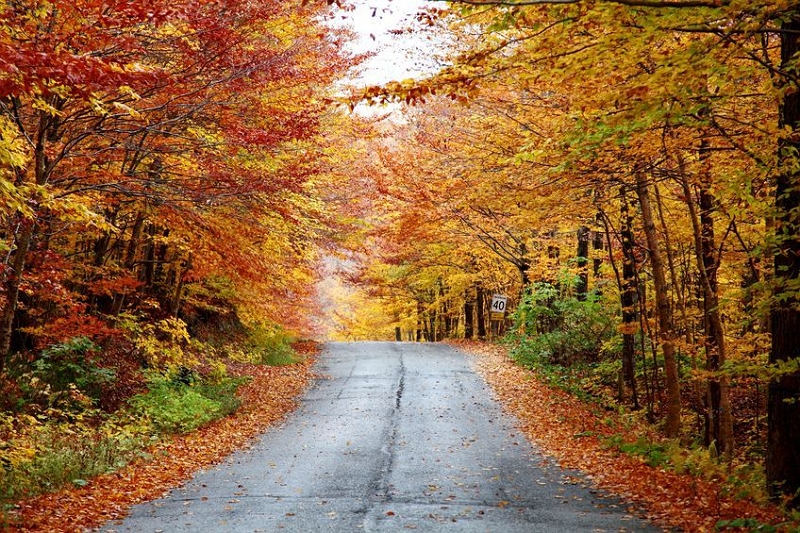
<point x="573" y="432"/>
<point x="265" y="399"/>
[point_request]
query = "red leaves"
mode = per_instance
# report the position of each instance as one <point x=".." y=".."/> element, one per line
<point x="68" y="47"/>
<point x="168" y="124"/>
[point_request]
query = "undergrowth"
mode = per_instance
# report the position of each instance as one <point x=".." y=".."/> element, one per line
<point x="55" y="434"/>
<point x="267" y="345"/>
<point x="573" y="344"/>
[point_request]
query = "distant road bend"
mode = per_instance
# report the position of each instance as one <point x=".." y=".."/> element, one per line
<point x="391" y="437"/>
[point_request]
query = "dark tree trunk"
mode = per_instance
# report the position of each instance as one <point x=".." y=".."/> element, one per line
<point x="420" y="322"/>
<point x="11" y="287"/>
<point x="629" y="296"/>
<point x="597" y="245"/>
<point x="469" y="308"/>
<point x="480" y="312"/>
<point x="148" y="274"/>
<point x="783" y="409"/>
<point x="24" y="230"/>
<point x="582" y="260"/>
<point x="719" y="407"/>
<point x="719" y="419"/>
<point x="129" y="260"/>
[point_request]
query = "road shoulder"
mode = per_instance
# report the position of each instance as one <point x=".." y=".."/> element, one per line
<point x="570" y="431"/>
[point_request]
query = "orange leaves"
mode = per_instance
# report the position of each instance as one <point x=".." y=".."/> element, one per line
<point x="267" y="398"/>
<point x="182" y="135"/>
<point x="409" y="91"/>
<point x="568" y="430"/>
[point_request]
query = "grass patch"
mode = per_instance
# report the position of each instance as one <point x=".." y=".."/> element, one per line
<point x="173" y="406"/>
<point x="271" y="346"/>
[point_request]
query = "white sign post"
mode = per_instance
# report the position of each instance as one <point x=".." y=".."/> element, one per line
<point x="497" y="313"/>
<point x="498" y="308"/>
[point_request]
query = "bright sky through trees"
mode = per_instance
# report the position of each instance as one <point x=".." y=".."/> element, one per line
<point x="384" y="27"/>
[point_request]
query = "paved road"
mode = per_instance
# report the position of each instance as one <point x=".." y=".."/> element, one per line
<point x="395" y="437"/>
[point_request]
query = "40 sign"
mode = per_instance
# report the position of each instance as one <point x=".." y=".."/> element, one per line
<point x="498" y="309"/>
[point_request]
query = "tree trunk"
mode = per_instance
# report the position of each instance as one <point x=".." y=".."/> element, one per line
<point x="149" y="258"/>
<point x="420" y="321"/>
<point x="629" y="296"/>
<point x="672" y="425"/>
<point x="11" y="287"/>
<point x="597" y="245"/>
<point x="469" y="307"/>
<point x="446" y="318"/>
<point x="480" y="312"/>
<point x="783" y="409"/>
<point x="130" y="259"/>
<point x="582" y="260"/>
<point x="720" y="418"/>
<point x="24" y="230"/>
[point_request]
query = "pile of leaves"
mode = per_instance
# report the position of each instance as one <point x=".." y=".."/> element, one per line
<point x="576" y="434"/>
<point x="268" y="397"/>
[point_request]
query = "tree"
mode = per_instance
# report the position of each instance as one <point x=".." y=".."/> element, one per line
<point x="157" y="149"/>
<point x="783" y="459"/>
<point x="691" y="23"/>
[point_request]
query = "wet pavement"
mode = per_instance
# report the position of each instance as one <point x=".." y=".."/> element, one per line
<point x="391" y="437"/>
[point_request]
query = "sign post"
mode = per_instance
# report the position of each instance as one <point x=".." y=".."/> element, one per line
<point x="498" y="311"/>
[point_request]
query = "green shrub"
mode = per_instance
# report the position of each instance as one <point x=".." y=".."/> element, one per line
<point x="173" y="406"/>
<point x="270" y="346"/>
<point x="67" y="376"/>
<point x="553" y="326"/>
<point x="748" y="524"/>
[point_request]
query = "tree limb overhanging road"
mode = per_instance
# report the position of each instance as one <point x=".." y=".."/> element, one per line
<point x="391" y="437"/>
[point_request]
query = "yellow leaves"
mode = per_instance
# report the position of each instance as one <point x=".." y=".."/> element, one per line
<point x="126" y="109"/>
<point x="165" y="344"/>
<point x="11" y="199"/>
<point x="40" y="104"/>
<point x="15" y="448"/>
<point x="75" y="209"/>
<point x="12" y="146"/>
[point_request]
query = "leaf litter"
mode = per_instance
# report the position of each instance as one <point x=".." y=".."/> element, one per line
<point x="569" y="430"/>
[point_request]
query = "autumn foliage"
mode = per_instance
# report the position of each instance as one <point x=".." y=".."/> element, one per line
<point x="163" y="173"/>
<point x="159" y="160"/>
<point x="626" y="173"/>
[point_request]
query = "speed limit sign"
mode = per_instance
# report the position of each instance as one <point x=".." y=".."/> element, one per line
<point x="498" y="308"/>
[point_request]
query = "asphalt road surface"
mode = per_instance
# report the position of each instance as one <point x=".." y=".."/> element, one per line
<point x="392" y="437"/>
